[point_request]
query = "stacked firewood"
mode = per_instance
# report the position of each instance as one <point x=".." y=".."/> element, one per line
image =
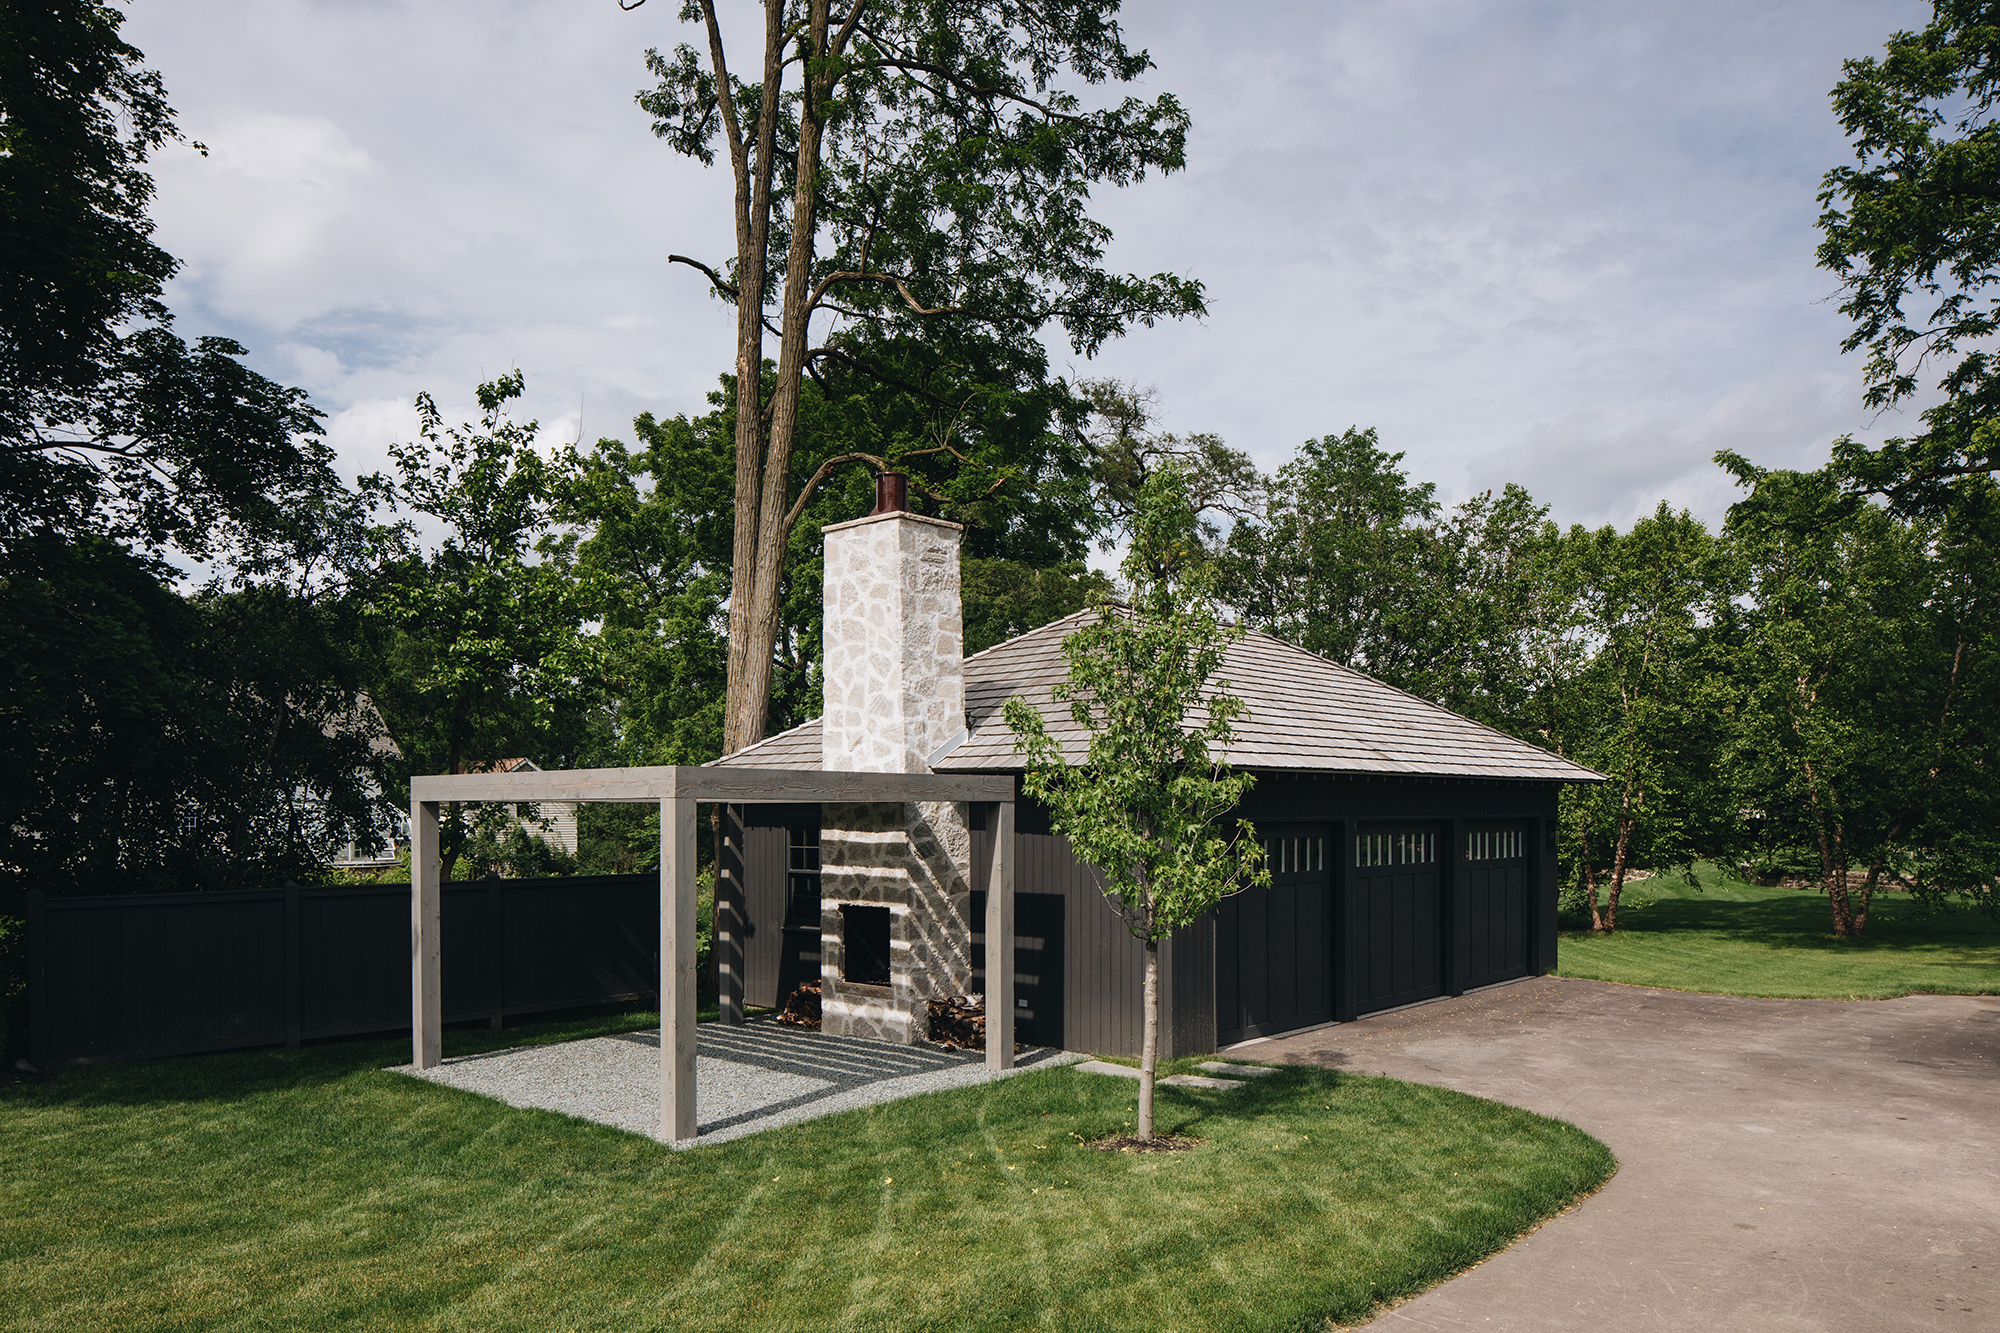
<point x="802" y="1006"/>
<point x="958" y="1022"/>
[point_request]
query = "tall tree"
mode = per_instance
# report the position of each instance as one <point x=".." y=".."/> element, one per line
<point x="1335" y="569"/>
<point x="907" y="174"/>
<point x="1146" y="804"/>
<point x="1912" y="229"/>
<point x="155" y="740"/>
<point x="1124" y="450"/>
<point x="655" y="548"/>
<point x="1868" y="677"/>
<point x="1360" y="564"/>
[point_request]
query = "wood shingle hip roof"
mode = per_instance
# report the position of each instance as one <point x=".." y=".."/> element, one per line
<point x="1302" y="714"/>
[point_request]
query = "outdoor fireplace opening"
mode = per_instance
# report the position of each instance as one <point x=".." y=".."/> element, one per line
<point x="864" y="941"/>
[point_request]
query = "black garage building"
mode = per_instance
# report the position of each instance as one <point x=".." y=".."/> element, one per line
<point x="1412" y="854"/>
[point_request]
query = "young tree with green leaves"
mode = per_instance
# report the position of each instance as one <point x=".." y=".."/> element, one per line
<point x="911" y="178"/>
<point x="1653" y="701"/>
<point x="486" y="645"/>
<point x="1146" y="804"/>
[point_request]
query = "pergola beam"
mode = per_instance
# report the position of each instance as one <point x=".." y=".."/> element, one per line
<point x="743" y="785"/>
<point x="677" y="789"/>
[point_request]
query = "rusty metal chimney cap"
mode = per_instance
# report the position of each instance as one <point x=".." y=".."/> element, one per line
<point x="892" y="495"/>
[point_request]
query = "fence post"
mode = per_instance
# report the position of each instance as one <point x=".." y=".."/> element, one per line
<point x="38" y="980"/>
<point x="294" y="955"/>
<point x="496" y="951"/>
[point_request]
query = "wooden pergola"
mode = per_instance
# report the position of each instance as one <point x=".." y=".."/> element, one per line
<point x="677" y="790"/>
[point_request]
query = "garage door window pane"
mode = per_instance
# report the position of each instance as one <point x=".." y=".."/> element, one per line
<point x="1493" y="845"/>
<point x="1395" y="849"/>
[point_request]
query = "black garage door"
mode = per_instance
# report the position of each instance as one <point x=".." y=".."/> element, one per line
<point x="1273" y="946"/>
<point x="1496" y="875"/>
<point x="1396" y="930"/>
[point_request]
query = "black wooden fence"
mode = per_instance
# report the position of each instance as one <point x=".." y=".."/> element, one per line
<point x="119" y="978"/>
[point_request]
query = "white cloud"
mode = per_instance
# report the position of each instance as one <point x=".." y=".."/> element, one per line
<point x="1565" y="244"/>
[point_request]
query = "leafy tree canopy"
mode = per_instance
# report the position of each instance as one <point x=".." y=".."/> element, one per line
<point x="109" y="422"/>
<point x="487" y="655"/>
<point x="1913" y="231"/>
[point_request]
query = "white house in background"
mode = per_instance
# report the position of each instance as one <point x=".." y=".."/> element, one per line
<point x="557" y="821"/>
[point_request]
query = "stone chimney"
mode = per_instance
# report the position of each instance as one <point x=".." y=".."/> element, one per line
<point x="895" y="879"/>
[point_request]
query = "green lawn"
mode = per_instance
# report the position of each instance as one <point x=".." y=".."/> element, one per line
<point x="313" y="1190"/>
<point x="1737" y="938"/>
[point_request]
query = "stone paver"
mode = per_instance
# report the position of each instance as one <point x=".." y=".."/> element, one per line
<point x="1789" y="1165"/>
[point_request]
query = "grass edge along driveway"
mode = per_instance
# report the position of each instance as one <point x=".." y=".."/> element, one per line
<point x="1731" y="937"/>
<point x="314" y="1189"/>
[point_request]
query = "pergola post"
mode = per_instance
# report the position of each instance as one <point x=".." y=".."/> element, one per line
<point x="426" y="939"/>
<point x="729" y="917"/>
<point x="1000" y="938"/>
<point x="677" y="951"/>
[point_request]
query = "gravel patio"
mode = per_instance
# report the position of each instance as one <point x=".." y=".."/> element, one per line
<point x="747" y="1079"/>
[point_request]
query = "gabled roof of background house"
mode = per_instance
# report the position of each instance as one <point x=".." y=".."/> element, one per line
<point x="1302" y="713"/>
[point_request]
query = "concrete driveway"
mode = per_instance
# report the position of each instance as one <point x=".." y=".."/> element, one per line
<point x="1783" y="1164"/>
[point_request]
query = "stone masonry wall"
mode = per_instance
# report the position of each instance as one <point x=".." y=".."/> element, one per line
<point x="894" y="643"/>
<point x="895" y="694"/>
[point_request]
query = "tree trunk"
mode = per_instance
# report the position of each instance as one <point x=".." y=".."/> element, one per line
<point x="1832" y="856"/>
<point x="754" y="632"/>
<point x="1149" y="1051"/>
<point x="1867" y="895"/>
<point x="1589" y="869"/>
<point x="1618" y="855"/>
<point x="749" y="687"/>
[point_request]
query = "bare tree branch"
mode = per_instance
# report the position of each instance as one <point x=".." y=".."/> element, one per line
<point x="722" y="285"/>
<point x="880" y="465"/>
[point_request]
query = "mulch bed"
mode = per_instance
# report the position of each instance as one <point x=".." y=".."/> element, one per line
<point x="1158" y="1143"/>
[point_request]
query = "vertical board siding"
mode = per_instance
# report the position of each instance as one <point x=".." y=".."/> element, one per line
<point x="133" y="976"/>
<point x="1078" y="967"/>
<point x="1398" y="920"/>
<point x="580" y="941"/>
<point x="106" y="995"/>
<point x="1194" y="960"/>
<point x="1273" y="953"/>
<point x="767" y="897"/>
<point x="354" y="960"/>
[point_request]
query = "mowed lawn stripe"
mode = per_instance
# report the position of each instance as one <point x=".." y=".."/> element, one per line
<point x="315" y="1190"/>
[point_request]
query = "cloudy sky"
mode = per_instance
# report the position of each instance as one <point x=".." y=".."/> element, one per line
<point x="1569" y="245"/>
